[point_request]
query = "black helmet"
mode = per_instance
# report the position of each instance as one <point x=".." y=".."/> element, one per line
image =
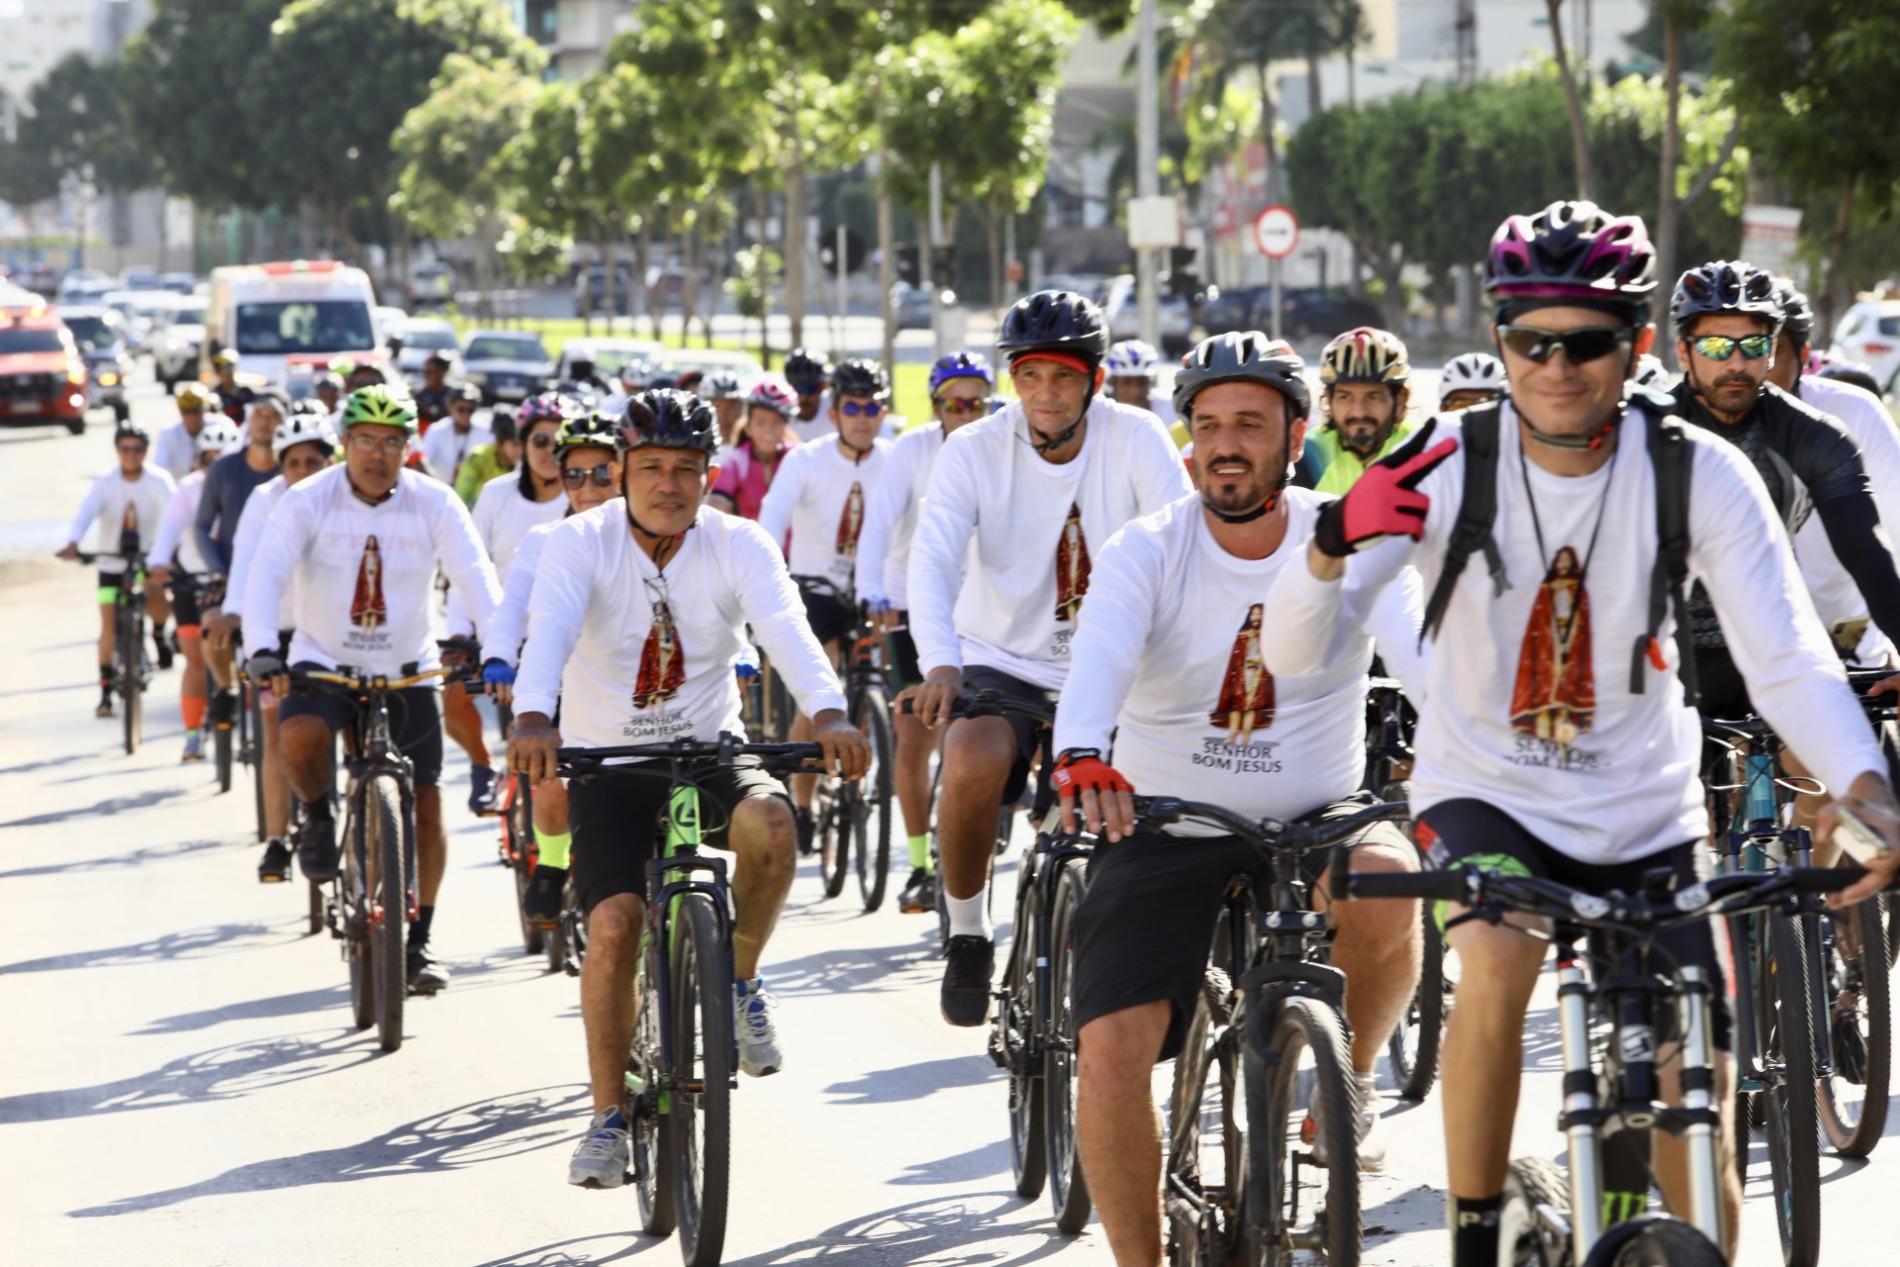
<point x="1244" y="356"/>
<point x="1724" y="286"/>
<point x="805" y="372"/>
<point x="860" y="376"/>
<point x="1571" y="250"/>
<point x="1054" y="321"/>
<point x="129" y="430"/>
<point x="592" y="431"/>
<point x="669" y="419"/>
<point x="1797" y="318"/>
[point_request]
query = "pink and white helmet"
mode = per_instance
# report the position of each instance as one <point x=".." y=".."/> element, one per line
<point x="774" y="393"/>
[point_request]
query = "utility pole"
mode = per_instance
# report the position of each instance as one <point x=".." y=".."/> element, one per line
<point x="1147" y="164"/>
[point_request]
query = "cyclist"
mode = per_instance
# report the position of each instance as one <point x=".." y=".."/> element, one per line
<point x="657" y="569"/>
<point x="962" y="388"/>
<point x="1167" y="667"/>
<point x="436" y="395"/>
<point x="1365" y="394"/>
<point x="589" y="458"/>
<point x="1470" y="379"/>
<point x="581" y="378"/>
<point x="747" y="466"/>
<point x="1132" y="368"/>
<point x="236" y="396"/>
<point x="175" y="543"/>
<point x="304" y="445"/>
<point x="1538" y="753"/>
<point x="123" y="508"/>
<point x="808" y="375"/>
<point x="329" y="389"/>
<point x="1021" y="497"/>
<point x="228" y="484"/>
<point x="728" y="402"/>
<point x="485" y="462"/>
<point x="358" y="546"/>
<point x="445" y="448"/>
<point x="175" y="452"/>
<point x="819" y="495"/>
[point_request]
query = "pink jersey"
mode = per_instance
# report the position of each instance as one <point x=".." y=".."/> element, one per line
<point x="745" y="479"/>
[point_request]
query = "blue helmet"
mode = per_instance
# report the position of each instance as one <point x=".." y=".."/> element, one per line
<point x="960" y="365"/>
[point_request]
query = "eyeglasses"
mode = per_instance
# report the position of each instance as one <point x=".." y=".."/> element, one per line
<point x="542" y="439"/>
<point x="1579" y="346"/>
<point x="956" y="406"/>
<point x="862" y="408"/>
<point x="364" y="442"/>
<point x="132" y="448"/>
<point x="602" y="474"/>
<point x="1719" y="347"/>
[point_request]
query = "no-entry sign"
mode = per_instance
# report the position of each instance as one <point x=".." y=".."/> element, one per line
<point x="1276" y="231"/>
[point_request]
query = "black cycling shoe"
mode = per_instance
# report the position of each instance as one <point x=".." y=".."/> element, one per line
<point x="807" y="828"/>
<point x="968" y="962"/>
<point x="275" y="868"/>
<point x="920" y="893"/>
<point x="542" y="903"/>
<point x="224" y="708"/>
<point x="164" y="646"/>
<point x="317" y="852"/>
<point x="481" y="790"/>
<point x="426" y="976"/>
<point x="105" y="706"/>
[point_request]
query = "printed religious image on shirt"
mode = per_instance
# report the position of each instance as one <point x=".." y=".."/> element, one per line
<point x="1555" y="695"/>
<point x="1072" y="566"/>
<point x="850" y="522"/>
<point x="662" y="660"/>
<point x="367" y="609"/>
<point x="1246" y="690"/>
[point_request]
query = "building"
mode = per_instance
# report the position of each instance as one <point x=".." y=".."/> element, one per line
<point x="575" y="34"/>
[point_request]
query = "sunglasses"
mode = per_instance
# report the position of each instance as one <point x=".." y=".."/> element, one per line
<point x="1719" y="347"/>
<point x="1579" y="346"/>
<point x="956" y="407"/>
<point x="542" y="439"/>
<point x="602" y="474"/>
<point x="861" y="409"/>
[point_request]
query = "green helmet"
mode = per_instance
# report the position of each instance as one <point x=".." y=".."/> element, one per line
<point x="591" y="430"/>
<point x="379" y="405"/>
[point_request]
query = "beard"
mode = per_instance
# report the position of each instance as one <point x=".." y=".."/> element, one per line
<point x="1236" y="491"/>
<point x="1363" y="435"/>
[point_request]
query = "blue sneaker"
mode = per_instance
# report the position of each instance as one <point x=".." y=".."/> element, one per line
<point x="605" y="1154"/>
<point x="752" y="1021"/>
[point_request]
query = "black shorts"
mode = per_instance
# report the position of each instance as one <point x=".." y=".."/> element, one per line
<point x="1474" y="833"/>
<point x="904" y="670"/>
<point x="614" y="819"/>
<point x="415" y="721"/>
<point x="829" y="616"/>
<point x="980" y="677"/>
<point x="1719" y="683"/>
<point x="185" y="592"/>
<point x="1146" y="925"/>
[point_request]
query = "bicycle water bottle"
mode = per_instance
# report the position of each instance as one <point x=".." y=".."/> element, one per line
<point x="1758" y="797"/>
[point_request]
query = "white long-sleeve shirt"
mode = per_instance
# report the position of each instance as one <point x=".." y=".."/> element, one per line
<point x="105" y="508"/>
<point x="821" y="495"/>
<point x="1014" y="520"/>
<point x="174" y="450"/>
<point x="444" y="449"/>
<point x="890" y="520"/>
<point x="175" y="535"/>
<point x="1625" y="784"/>
<point x="1168" y="661"/>
<point x="639" y="654"/>
<point x="252" y="522"/>
<point x="364" y="575"/>
<point x="1835" y="594"/>
<point x="503" y="518"/>
<point x="517" y="588"/>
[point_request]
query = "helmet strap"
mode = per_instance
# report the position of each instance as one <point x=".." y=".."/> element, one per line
<point x="1246" y="516"/>
<point x="1048" y="444"/>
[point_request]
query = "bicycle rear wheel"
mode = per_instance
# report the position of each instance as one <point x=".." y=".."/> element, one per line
<point x="316" y="920"/>
<point x="519" y="825"/>
<point x="700" y="1124"/>
<point x="648" y="1104"/>
<point x="1068" y="1189"/>
<point x="223" y="755"/>
<point x="1529" y="1183"/>
<point x="1413" y="1047"/>
<point x="871" y="824"/>
<point x="254" y="744"/>
<point x="131" y="649"/>
<point x="381" y="800"/>
<point x="1274" y="1191"/>
<point x="1858" y="1022"/>
<point x="1793" y="1120"/>
<point x="833" y="831"/>
<point x="1205" y="1186"/>
<point x="1013" y="1029"/>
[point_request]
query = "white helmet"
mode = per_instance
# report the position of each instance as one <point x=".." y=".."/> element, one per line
<point x="302" y="428"/>
<point x="1131" y="358"/>
<point x="217" y="437"/>
<point x="1651" y="372"/>
<point x="1471" y="372"/>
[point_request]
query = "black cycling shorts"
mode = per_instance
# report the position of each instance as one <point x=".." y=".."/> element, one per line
<point x="185" y="591"/>
<point x="904" y="670"/>
<point x="1145" y="928"/>
<point x="980" y="677"/>
<point x="1474" y="833"/>
<point x="415" y="720"/>
<point x="829" y="616"/>
<point x="614" y="818"/>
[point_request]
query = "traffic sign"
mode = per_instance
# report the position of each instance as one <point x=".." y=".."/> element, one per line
<point x="1276" y="231"/>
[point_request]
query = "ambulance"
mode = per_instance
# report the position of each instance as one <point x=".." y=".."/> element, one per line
<point x="289" y="313"/>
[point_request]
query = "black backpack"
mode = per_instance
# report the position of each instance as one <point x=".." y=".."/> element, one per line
<point x="1669" y="454"/>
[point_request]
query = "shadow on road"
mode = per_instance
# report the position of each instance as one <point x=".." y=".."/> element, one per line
<point x="978" y="1163"/>
<point x="915" y="1081"/>
<point x="107" y="808"/>
<point x="295" y="1004"/>
<point x="857" y="969"/>
<point x="580" y="1251"/>
<point x="482" y="1130"/>
<point x="194" y="943"/>
<point x="139" y="858"/>
<point x="955" y="1228"/>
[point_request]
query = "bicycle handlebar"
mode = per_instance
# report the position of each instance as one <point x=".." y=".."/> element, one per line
<point x="1158" y="811"/>
<point x="364" y="682"/>
<point x="723" y="751"/>
<point x="992" y="703"/>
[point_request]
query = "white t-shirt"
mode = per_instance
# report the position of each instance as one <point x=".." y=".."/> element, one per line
<point x="175" y="450"/>
<point x="1835" y="594"/>
<point x="820" y="427"/>
<point x="503" y="518"/>
<point x="1168" y="666"/>
<point x="444" y="448"/>
<point x="252" y="521"/>
<point x="363" y="574"/>
<point x="1024" y="528"/>
<point x="821" y="495"/>
<point x="1529" y="706"/>
<point x="517" y="587"/>
<point x="174" y="530"/>
<point x="114" y="503"/>
<point x="639" y="654"/>
<point x="891" y="518"/>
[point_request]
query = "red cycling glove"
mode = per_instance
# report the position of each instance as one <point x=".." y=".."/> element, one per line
<point x="1384" y="502"/>
<point x="1080" y="770"/>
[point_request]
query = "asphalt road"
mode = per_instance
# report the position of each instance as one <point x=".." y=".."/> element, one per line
<point x="179" y="1083"/>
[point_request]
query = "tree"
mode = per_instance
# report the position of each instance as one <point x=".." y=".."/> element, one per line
<point x="1673" y="18"/>
<point x="1573" y="101"/>
<point x="77" y="125"/>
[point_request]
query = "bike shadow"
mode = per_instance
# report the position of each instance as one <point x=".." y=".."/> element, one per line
<point x="107" y="808"/>
<point x="276" y="1005"/>
<point x="469" y="1134"/>
<point x="915" y="1081"/>
<point x="859" y="969"/>
<point x="959" y="1229"/>
<point x="138" y="858"/>
<point x="195" y="943"/>
<point x="614" y="1247"/>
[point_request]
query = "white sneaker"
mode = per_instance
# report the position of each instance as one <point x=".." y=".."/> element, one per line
<point x="752" y="1021"/>
<point x="605" y="1154"/>
<point x="1372" y="1145"/>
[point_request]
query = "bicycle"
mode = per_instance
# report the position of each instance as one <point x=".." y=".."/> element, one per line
<point x="224" y="743"/>
<point x="1270" y="997"/>
<point x="1612" y="1001"/>
<point x="683" y="1063"/>
<point x="132" y="671"/>
<point x="514" y="818"/>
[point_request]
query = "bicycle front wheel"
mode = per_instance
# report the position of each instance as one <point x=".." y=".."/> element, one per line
<point x="1011" y="1041"/>
<point x="871" y="824"/>
<point x="1413" y="1047"/>
<point x="131" y="634"/>
<point x="1858" y="1022"/>
<point x="1068" y="1190"/>
<point x="316" y="920"/>
<point x="649" y="1104"/>
<point x="223" y="755"/>
<point x="254" y="744"/>
<point x="380" y="802"/>
<point x="835" y="817"/>
<point x="700" y="1124"/>
<point x="1207" y="1163"/>
<point x="1793" y="1126"/>
<point x="1302" y="1031"/>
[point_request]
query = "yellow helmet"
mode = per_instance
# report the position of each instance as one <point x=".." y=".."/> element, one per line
<point x="191" y="396"/>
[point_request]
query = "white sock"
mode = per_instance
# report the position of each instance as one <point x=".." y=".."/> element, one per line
<point x="970" y="916"/>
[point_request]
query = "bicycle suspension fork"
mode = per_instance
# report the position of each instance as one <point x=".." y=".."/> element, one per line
<point x="1700" y="1115"/>
<point x="1580" y="1114"/>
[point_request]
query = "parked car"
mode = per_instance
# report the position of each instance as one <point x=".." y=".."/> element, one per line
<point x="176" y="345"/>
<point x="100" y="334"/>
<point x="431" y="284"/>
<point x="1124" y="317"/>
<point x="674" y="362"/>
<point x="41" y="372"/>
<point x="1090" y="285"/>
<point x="147" y="312"/>
<point x="611" y="355"/>
<point x="1309" y="310"/>
<point x="83" y="286"/>
<point x="179" y="283"/>
<point x="509" y="365"/>
<point x="910" y="306"/>
<point x="1870" y="331"/>
<point x="1235" y="308"/>
<point x="139" y="279"/>
<point x="423" y="337"/>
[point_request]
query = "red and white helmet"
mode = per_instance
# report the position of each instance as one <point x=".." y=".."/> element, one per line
<point x="774" y="393"/>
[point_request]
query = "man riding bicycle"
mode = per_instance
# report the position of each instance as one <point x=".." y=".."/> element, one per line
<point x="178" y="566"/>
<point x="809" y="375"/>
<point x="1365" y="396"/>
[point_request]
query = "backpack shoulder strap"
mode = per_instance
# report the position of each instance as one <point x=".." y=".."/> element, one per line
<point x="1672" y="459"/>
<point x="1477" y="511"/>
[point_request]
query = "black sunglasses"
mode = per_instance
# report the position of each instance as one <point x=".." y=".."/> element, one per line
<point x="1579" y="346"/>
<point x="602" y="473"/>
<point x="542" y="439"/>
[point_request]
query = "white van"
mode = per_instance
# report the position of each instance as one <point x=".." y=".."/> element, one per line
<point x="295" y="312"/>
